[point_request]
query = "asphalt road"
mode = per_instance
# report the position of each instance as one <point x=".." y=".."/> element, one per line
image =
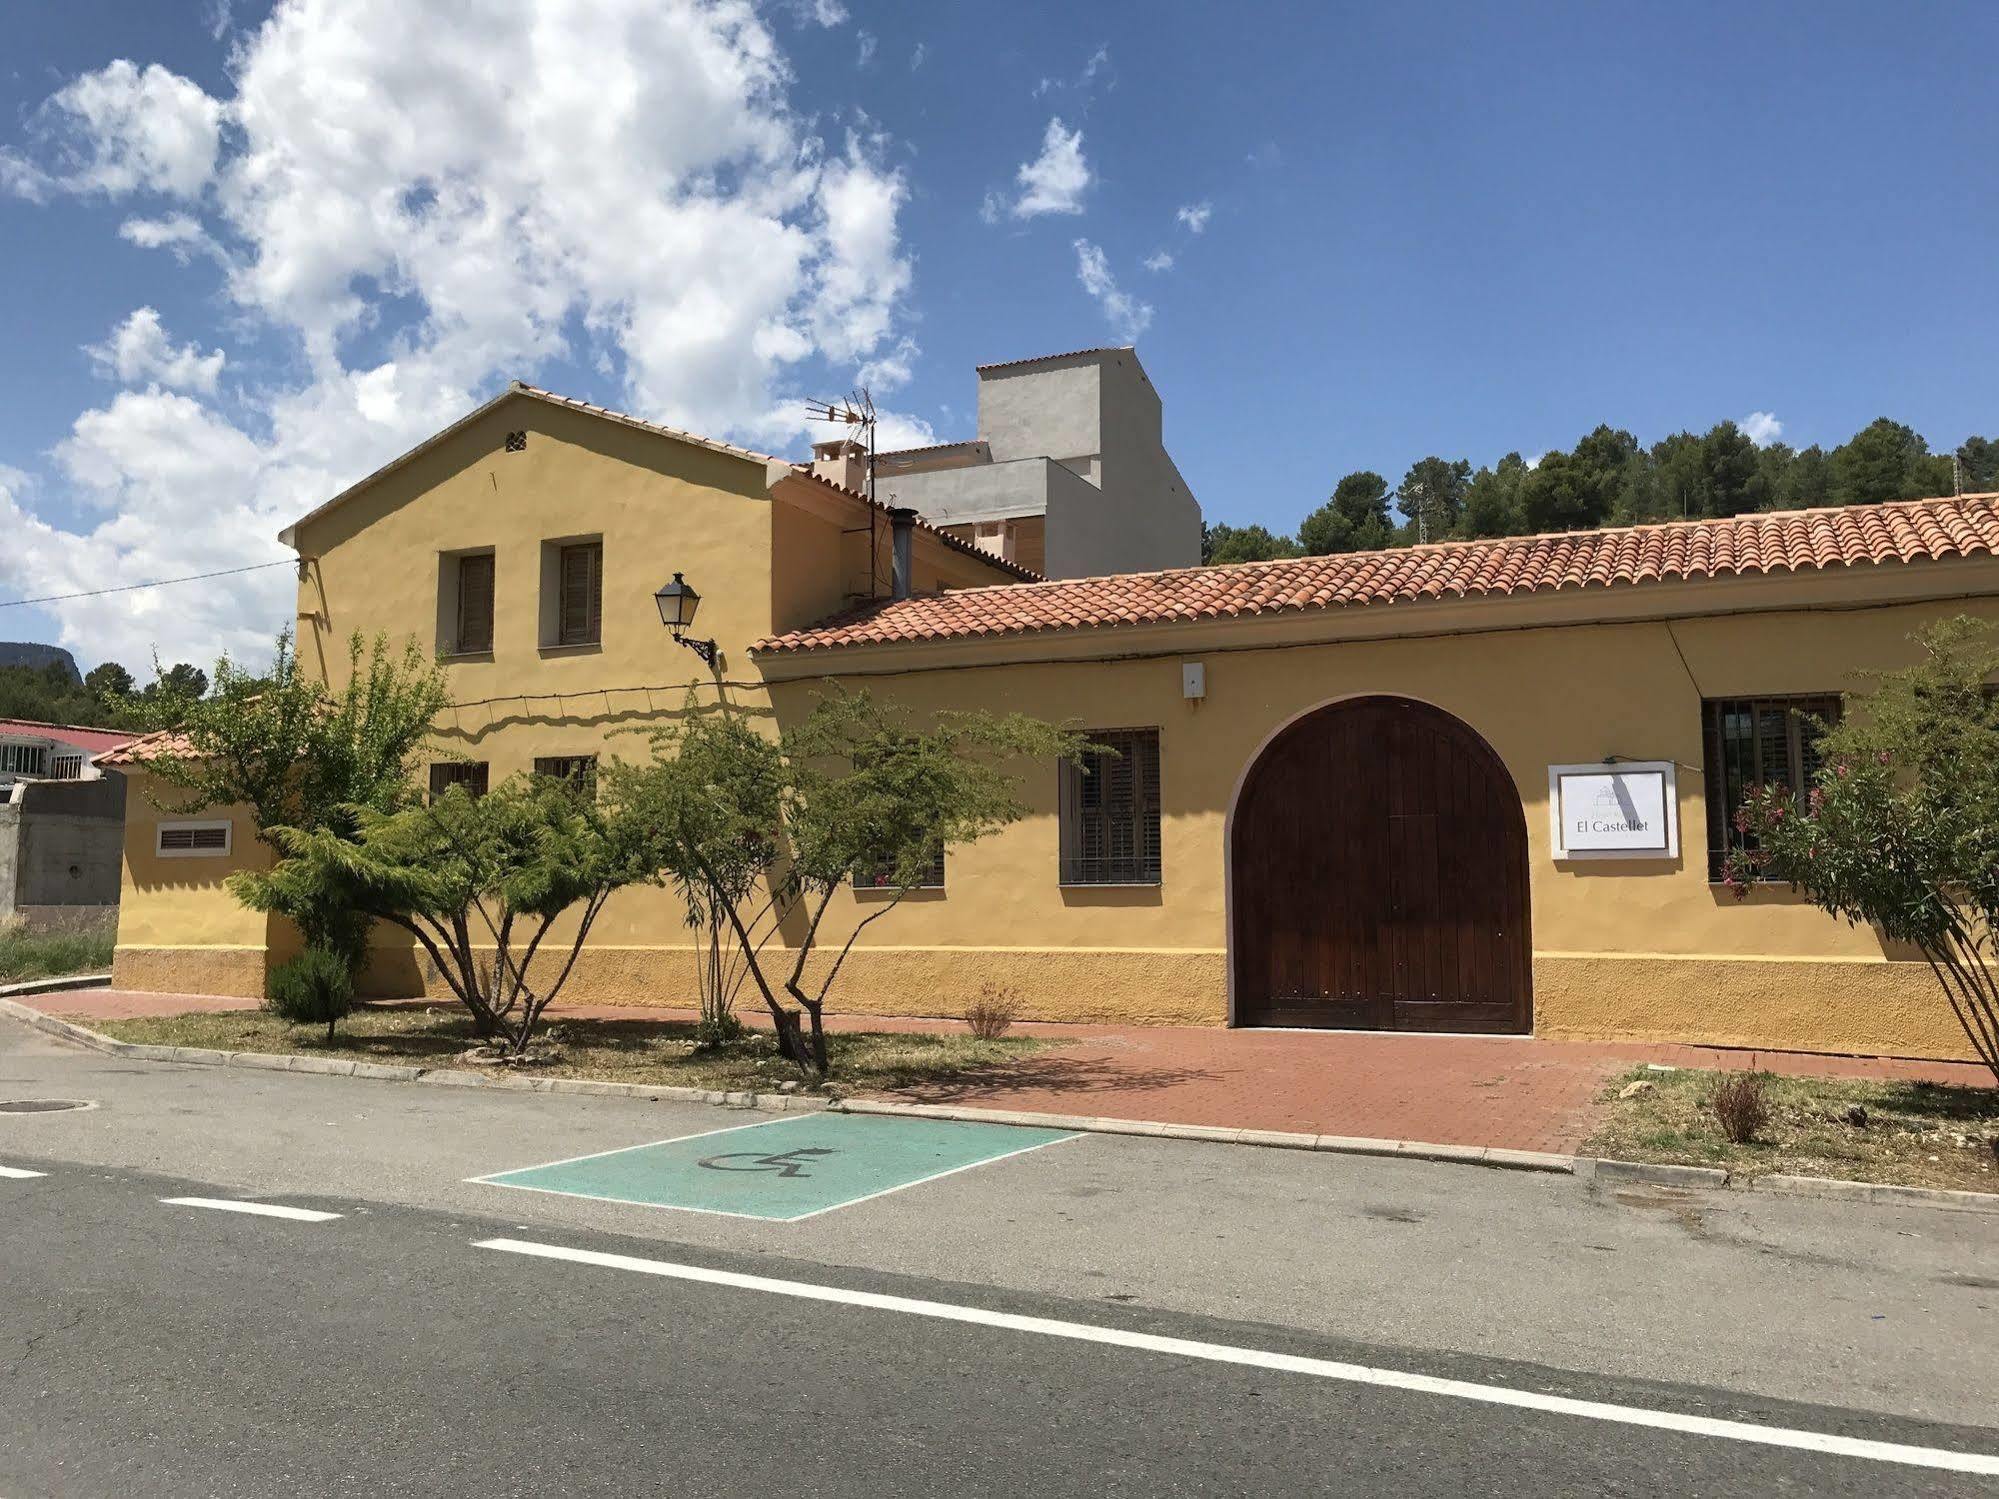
<point x="152" y="1349"/>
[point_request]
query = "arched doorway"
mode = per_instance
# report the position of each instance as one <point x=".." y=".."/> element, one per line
<point x="1378" y="859"/>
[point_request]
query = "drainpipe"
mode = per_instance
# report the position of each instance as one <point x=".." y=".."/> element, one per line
<point x="902" y="530"/>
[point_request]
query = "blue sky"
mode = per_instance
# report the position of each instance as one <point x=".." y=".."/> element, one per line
<point x="1422" y="229"/>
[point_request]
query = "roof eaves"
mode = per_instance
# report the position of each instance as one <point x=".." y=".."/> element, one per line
<point x="289" y="535"/>
<point x="1014" y="364"/>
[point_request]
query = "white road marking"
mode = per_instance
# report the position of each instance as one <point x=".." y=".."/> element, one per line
<point x="260" y="1209"/>
<point x="12" y="1172"/>
<point x="1288" y="1363"/>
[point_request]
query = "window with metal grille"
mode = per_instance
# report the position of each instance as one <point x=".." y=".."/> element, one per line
<point x="580" y="607"/>
<point x="31" y="760"/>
<point x="66" y="767"/>
<point x="882" y="876"/>
<point x="189" y="840"/>
<point x="1756" y="741"/>
<point x="1110" y="811"/>
<point x="471" y="774"/>
<point x="475" y="603"/>
<point x="579" y="770"/>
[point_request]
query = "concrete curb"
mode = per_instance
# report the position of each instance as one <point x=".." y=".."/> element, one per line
<point x="1659" y="1174"/>
<point x="1586" y="1167"/>
<point x="1464" y="1155"/>
<point x="59" y="985"/>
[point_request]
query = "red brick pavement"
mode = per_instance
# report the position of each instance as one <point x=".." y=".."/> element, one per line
<point x="1514" y="1091"/>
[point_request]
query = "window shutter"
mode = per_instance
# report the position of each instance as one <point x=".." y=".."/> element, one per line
<point x="1110" y="810"/>
<point x="582" y="594"/>
<point x="475" y="603"/>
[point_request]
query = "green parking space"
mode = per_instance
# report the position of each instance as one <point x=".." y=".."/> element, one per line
<point x="783" y="1169"/>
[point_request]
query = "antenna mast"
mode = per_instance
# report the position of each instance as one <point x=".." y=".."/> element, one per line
<point x="857" y="411"/>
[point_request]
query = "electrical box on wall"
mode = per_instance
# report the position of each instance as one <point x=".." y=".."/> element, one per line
<point x="1193" y="680"/>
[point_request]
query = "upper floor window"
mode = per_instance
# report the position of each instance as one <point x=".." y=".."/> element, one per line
<point x="1110" y="811"/>
<point x="471" y="774"/>
<point x="29" y="760"/>
<point x="1756" y="741"/>
<point x="475" y="603"/>
<point x="579" y="606"/>
<point x="579" y="770"/>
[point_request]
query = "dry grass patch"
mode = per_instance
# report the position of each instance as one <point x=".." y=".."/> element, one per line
<point x="1909" y="1134"/>
<point x="56" y="948"/>
<point x="618" y="1051"/>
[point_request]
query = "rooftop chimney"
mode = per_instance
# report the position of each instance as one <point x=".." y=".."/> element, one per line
<point x="902" y="530"/>
<point x="843" y="461"/>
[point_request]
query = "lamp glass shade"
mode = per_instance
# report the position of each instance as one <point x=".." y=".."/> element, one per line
<point x="677" y="603"/>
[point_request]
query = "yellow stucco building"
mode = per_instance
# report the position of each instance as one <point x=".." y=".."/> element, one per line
<point x="1468" y="786"/>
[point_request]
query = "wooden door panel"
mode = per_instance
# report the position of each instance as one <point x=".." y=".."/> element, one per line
<point x="1378" y="859"/>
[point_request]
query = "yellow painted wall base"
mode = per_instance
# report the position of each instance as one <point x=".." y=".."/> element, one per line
<point x="232" y="972"/>
<point x="1833" y="1005"/>
<point x="1141" y="988"/>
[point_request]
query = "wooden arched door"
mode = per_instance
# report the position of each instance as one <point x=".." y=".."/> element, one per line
<point x="1378" y="858"/>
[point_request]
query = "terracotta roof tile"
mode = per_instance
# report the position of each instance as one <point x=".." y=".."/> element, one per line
<point x="80" y="736"/>
<point x="1008" y="364"/>
<point x="142" y="749"/>
<point x="1027" y="574"/>
<point x="1792" y="541"/>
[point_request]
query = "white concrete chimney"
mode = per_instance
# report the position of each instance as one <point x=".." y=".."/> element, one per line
<point x="843" y="461"/>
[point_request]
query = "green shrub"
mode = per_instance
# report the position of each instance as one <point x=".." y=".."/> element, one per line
<point x="315" y="987"/>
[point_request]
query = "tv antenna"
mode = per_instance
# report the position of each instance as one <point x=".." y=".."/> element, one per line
<point x="857" y="411"/>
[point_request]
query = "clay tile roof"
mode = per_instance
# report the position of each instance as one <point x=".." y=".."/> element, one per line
<point x="77" y="735"/>
<point x="1009" y="364"/>
<point x="1793" y="541"/>
<point x="138" y="751"/>
<point x="1027" y="574"/>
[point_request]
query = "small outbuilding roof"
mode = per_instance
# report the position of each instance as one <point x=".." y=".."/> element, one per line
<point x="1789" y="541"/>
<point x="94" y="741"/>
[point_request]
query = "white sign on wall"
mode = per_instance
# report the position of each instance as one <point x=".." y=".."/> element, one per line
<point x="1630" y="810"/>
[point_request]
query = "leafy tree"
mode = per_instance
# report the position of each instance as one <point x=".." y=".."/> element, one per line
<point x="109" y="682"/>
<point x="766" y="832"/>
<point x="1492" y="499"/>
<point x="1733" y="472"/>
<point x="300" y="756"/>
<point x="1886" y="461"/>
<point x="1432" y="496"/>
<point x="1806" y="482"/>
<point x="1572" y="491"/>
<point x="180" y="684"/>
<point x="1979" y="459"/>
<point x="48" y="694"/>
<point x="1355" y="519"/>
<point x="1223" y="543"/>
<point x="469" y="874"/>
<point x="1900" y="826"/>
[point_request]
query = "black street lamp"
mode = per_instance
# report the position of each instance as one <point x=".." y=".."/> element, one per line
<point x="677" y="603"/>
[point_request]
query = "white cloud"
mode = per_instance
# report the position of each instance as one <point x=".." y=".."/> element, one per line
<point x="122" y="129"/>
<point x="868" y="44"/>
<point x="916" y="57"/>
<point x="1128" y="316"/>
<point x="1533" y="460"/>
<point x="1158" y="260"/>
<point x="139" y="352"/>
<point x="180" y="234"/>
<point x="1195" y="216"/>
<point x="1099" y="60"/>
<point x="1761" y="428"/>
<point x="1055" y="181"/>
<point x="818" y="12"/>
<point x="643" y="199"/>
<point x="890" y="371"/>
